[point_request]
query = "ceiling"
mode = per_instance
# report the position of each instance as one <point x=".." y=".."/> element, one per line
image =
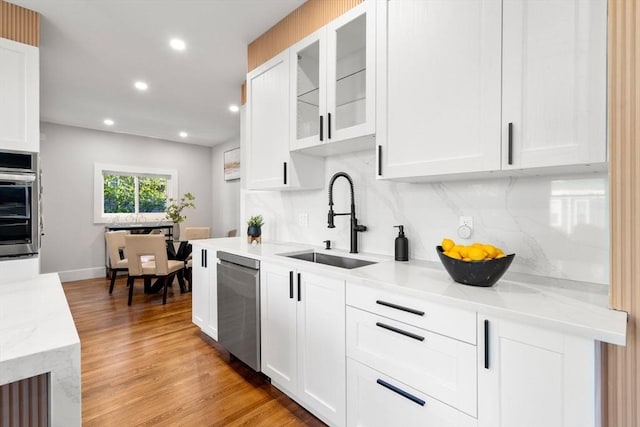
<point x="93" y="51"/>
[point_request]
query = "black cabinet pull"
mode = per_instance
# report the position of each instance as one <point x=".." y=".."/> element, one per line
<point x="202" y="258"/>
<point x="401" y="392"/>
<point x="284" y="169"/>
<point x="291" y="284"/>
<point x="400" y="307"/>
<point x="328" y="125"/>
<point x="299" y="296"/>
<point x="379" y="160"/>
<point x="321" y="128"/>
<point x="206" y="259"/>
<point x="400" y="331"/>
<point x="510" y="148"/>
<point x="486" y="344"/>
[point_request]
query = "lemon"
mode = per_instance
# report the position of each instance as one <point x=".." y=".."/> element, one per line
<point x="461" y="249"/>
<point x="447" y="244"/>
<point x="453" y="254"/>
<point x="490" y="250"/>
<point x="477" y="245"/>
<point x="476" y="254"/>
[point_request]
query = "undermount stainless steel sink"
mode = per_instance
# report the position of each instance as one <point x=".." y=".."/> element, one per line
<point x="333" y="260"/>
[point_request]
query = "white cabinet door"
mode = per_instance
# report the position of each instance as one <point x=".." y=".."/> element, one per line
<point x="321" y="346"/>
<point x="278" y="326"/>
<point x="377" y="400"/>
<point x="529" y="377"/>
<point x="199" y="288"/>
<point x="554" y="82"/>
<point x="19" y="96"/>
<point x="268" y="123"/>
<point x="438" y="96"/>
<point x="333" y="84"/>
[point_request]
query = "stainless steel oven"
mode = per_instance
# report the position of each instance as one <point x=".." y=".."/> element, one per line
<point x="19" y="199"/>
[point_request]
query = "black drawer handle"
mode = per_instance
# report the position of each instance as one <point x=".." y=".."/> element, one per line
<point x="379" y="160"/>
<point x="328" y="125"/>
<point x="291" y="284"/>
<point x="400" y="331"/>
<point x="321" y="128"/>
<point x="510" y="142"/>
<point x="299" y="296"/>
<point x="284" y="171"/>
<point x="401" y="392"/>
<point x="400" y="307"/>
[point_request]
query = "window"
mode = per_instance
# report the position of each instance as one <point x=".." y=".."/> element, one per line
<point x="127" y="194"/>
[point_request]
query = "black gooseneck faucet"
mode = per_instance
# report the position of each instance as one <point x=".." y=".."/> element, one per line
<point x="354" y="221"/>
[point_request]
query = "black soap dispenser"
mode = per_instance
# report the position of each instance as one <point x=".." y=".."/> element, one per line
<point x="402" y="245"/>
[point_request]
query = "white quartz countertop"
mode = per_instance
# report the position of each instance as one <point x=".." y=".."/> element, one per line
<point x="577" y="308"/>
<point x="34" y="320"/>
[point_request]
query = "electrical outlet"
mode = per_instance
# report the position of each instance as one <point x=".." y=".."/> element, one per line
<point x="303" y="219"/>
<point x="466" y="220"/>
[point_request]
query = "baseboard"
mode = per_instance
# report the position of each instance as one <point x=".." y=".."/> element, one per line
<point x="81" y="274"/>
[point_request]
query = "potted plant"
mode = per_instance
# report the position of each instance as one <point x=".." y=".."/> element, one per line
<point x="174" y="211"/>
<point x="254" y="231"/>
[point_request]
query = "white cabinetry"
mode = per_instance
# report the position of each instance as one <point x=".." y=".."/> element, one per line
<point x="416" y="354"/>
<point x="19" y="96"/>
<point x="469" y="87"/>
<point x="554" y="78"/>
<point x="302" y="338"/>
<point x="268" y="106"/>
<point x="532" y="377"/>
<point x="333" y="84"/>
<point x="205" y="290"/>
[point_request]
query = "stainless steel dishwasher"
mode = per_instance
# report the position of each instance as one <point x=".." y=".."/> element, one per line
<point x="239" y="307"/>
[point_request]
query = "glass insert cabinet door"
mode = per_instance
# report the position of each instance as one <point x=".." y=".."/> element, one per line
<point x="334" y="81"/>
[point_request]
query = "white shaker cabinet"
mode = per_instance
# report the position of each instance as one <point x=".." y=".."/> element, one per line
<point x="302" y="338"/>
<point x="205" y="290"/>
<point x="533" y="377"/>
<point x="333" y="84"/>
<point x="554" y="78"/>
<point x="438" y="96"/>
<point x="19" y="96"/>
<point x="271" y="167"/>
<point x="476" y="86"/>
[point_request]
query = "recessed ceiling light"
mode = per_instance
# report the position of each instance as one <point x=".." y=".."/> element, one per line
<point x="108" y="122"/>
<point x="234" y="108"/>
<point x="141" y="85"/>
<point x="177" y="44"/>
<point x="183" y="134"/>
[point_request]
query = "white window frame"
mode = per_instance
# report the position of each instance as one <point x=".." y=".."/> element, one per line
<point x="99" y="217"/>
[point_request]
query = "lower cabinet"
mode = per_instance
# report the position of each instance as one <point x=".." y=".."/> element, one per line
<point x="531" y="377"/>
<point x="303" y="338"/>
<point x="377" y="400"/>
<point x="204" y="297"/>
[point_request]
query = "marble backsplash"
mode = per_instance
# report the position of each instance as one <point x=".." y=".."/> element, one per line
<point x="556" y="226"/>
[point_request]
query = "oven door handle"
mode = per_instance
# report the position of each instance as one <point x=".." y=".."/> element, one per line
<point x="18" y="178"/>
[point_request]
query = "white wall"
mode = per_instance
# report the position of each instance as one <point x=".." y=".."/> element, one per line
<point x="556" y="226"/>
<point x="226" y="194"/>
<point x="72" y="243"/>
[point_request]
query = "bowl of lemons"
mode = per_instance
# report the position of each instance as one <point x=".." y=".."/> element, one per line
<point x="478" y="264"/>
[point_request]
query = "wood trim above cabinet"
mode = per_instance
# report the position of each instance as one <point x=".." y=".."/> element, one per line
<point x="621" y="375"/>
<point x="19" y="24"/>
<point x="303" y="21"/>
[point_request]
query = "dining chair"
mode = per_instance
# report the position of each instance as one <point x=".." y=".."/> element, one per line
<point x="139" y="246"/>
<point x="193" y="233"/>
<point x="117" y="254"/>
<point x="232" y="233"/>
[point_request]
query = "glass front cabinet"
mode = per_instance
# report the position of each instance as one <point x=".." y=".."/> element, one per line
<point x="333" y="83"/>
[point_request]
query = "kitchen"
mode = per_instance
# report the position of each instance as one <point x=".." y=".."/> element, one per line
<point x="513" y="212"/>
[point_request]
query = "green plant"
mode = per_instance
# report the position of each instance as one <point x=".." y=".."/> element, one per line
<point x="175" y="207"/>
<point x="256" y="221"/>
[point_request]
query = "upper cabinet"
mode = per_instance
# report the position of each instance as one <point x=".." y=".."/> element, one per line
<point x="554" y="98"/>
<point x="19" y="96"/>
<point x="333" y="85"/>
<point x="476" y="86"/>
<point x="271" y="166"/>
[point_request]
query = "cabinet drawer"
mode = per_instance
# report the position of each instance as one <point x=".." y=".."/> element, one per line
<point x="452" y="322"/>
<point x="442" y="367"/>
<point x="377" y="400"/>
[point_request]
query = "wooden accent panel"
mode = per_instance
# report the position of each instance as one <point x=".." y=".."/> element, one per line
<point x="243" y="93"/>
<point x="294" y="27"/>
<point x="147" y="364"/>
<point x="621" y="377"/>
<point x="19" y="24"/>
<point x="25" y="402"/>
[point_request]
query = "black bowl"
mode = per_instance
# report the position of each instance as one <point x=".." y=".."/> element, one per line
<point x="475" y="273"/>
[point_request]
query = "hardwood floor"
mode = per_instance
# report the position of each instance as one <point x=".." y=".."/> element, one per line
<point x="147" y="364"/>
